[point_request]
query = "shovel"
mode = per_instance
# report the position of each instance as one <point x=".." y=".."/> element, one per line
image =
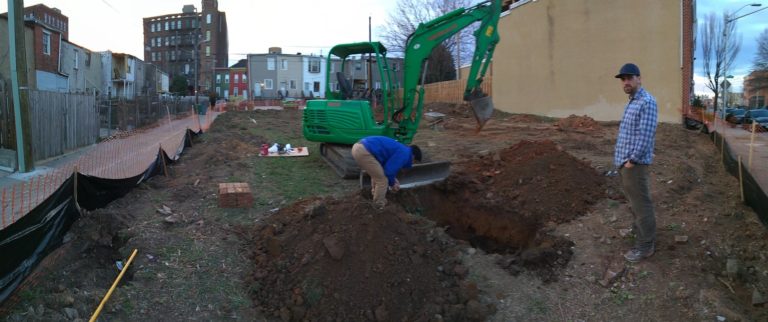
<point x="483" y="109"/>
<point x="420" y="174"/>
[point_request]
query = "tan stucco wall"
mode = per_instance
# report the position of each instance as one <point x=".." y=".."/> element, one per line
<point x="558" y="58"/>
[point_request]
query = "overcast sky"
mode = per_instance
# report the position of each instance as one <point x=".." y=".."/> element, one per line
<point x="254" y="26"/>
<point x="750" y="27"/>
<point x="311" y="26"/>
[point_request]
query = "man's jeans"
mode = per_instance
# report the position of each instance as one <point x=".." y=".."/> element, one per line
<point x="636" y="184"/>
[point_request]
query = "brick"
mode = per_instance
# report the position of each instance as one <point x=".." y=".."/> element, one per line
<point x="235" y="195"/>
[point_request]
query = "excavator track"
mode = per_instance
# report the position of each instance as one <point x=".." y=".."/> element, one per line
<point x="339" y="157"/>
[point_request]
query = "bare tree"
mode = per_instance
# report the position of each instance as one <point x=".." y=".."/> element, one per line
<point x="406" y="18"/>
<point x="719" y="44"/>
<point x="761" y="58"/>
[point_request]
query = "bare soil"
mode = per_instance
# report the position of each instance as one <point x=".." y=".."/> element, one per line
<point x="527" y="227"/>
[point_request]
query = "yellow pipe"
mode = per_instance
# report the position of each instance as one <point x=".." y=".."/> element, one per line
<point x="114" y="284"/>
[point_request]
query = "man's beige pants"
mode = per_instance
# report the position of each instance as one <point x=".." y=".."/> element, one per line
<point x="379" y="181"/>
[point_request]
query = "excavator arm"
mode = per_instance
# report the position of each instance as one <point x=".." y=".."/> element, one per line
<point x="430" y="34"/>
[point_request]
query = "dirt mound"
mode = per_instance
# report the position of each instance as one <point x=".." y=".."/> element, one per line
<point x="337" y="259"/>
<point x="583" y="124"/>
<point x="504" y="201"/>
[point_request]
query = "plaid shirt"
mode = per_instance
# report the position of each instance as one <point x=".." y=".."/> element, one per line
<point x="637" y="131"/>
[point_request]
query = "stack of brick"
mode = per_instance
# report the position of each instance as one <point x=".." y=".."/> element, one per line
<point x="235" y="195"/>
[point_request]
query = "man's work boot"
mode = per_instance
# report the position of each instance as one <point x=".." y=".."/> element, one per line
<point x="635" y="254"/>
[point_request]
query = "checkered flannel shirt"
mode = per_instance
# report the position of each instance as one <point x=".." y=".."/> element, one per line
<point x="637" y="131"/>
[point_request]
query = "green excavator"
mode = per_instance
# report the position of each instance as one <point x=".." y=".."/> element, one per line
<point x="343" y="118"/>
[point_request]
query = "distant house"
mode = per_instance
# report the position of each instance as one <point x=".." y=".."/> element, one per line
<point x="238" y="79"/>
<point x="77" y="66"/>
<point x="275" y="75"/>
<point x="756" y="88"/>
<point x="313" y="68"/>
<point x="50" y="28"/>
<point x="119" y="72"/>
<point x="558" y="58"/>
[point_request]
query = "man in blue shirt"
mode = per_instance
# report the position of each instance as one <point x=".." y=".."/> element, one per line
<point x="382" y="158"/>
<point x="633" y="155"/>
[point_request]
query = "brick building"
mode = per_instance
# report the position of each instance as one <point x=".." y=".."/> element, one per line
<point x="238" y="76"/>
<point x="177" y="42"/>
<point x="49" y="27"/>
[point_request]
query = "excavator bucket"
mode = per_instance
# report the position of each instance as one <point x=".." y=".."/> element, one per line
<point x="420" y="174"/>
<point x="483" y="109"/>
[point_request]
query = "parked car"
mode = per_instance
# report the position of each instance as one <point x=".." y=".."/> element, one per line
<point x="735" y="115"/>
<point x="759" y="115"/>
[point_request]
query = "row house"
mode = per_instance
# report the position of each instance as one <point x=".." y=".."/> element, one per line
<point x="238" y="76"/>
<point x="191" y="43"/>
<point x="56" y="64"/>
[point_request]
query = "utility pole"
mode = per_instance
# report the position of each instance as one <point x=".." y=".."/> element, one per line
<point x="19" y="84"/>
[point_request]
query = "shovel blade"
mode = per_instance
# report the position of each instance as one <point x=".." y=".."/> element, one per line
<point x="420" y="174"/>
<point x="483" y="110"/>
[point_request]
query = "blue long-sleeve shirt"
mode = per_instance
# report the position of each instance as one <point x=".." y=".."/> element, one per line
<point x="392" y="155"/>
<point x="637" y="131"/>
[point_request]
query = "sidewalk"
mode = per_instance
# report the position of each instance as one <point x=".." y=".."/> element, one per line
<point x="117" y="158"/>
<point x="740" y="143"/>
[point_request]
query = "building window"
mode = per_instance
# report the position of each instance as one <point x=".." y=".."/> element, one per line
<point x="237" y="79"/>
<point x="167" y="40"/>
<point x="314" y="65"/>
<point x="77" y="60"/>
<point x="270" y="63"/>
<point x="173" y="55"/>
<point x="152" y="27"/>
<point x="245" y="78"/>
<point x="284" y="64"/>
<point x="208" y="19"/>
<point x="166" y="25"/>
<point x="178" y="24"/>
<point x="267" y="84"/>
<point x="218" y="81"/>
<point x="46" y="42"/>
<point x="226" y="78"/>
<point x="218" y="89"/>
<point x="186" y="68"/>
<point x="234" y="92"/>
<point x="88" y="59"/>
<point x="208" y="35"/>
<point x="293" y="84"/>
<point x="207" y="51"/>
<point x="316" y="87"/>
<point x="358" y="66"/>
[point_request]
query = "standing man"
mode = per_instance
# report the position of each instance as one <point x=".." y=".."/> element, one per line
<point x="382" y="158"/>
<point x="633" y="156"/>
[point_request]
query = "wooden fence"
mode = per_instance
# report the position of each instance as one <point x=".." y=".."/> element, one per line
<point x="451" y="91"/>
<point x="61" y="122"/>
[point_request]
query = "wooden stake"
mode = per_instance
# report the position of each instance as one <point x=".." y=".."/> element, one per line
<point x="165" y="168"/>
<point x="741" y="181"/>
<point x="74" y="173"/>
<point x="3" y="211"/>
<point x="722" y="149"/>
<point x="751" y="144"/>
<point x="13" y="202"/>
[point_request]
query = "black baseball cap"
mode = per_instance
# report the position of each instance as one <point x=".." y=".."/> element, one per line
<point x="629" y="69"/>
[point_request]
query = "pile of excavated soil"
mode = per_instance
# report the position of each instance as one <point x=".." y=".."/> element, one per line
<point x="339" y="260"/>
<point x="584" y="124"/>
